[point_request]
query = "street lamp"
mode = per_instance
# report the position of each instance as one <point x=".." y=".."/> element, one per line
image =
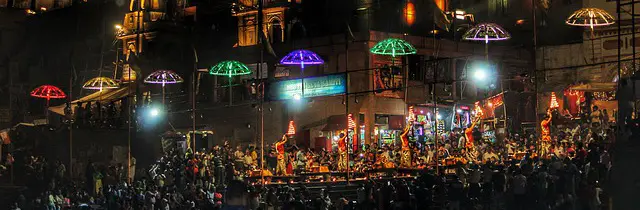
<point x="480" y="74"/>
<point x="154" y="112"/>
<point x="297" y="97"/>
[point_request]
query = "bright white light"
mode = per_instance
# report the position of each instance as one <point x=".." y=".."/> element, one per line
<point x="460" y="12"/>
<point x="421" y="111"/>
<point x="438" y="116"/>
<point x="335" y="138"/>
<point x="296" y="97"/>
<point x="480" y="74"/>
<point x="429" y="114"/>
<point x="155" y="112"/>
<point x="459" y="111"/>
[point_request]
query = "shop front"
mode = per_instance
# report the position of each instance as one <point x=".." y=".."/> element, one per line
<point x="339" y="124"/>
<point x="387" y="129"/>
<point x="449" y="118"/>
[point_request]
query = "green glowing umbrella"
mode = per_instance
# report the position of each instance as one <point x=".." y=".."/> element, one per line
<point x="230" y="69"/>
<point x="393" y="47"/>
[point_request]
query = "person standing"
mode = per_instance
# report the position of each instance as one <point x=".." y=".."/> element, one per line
<point x="596" y="117"/>
<point x="132" y="169"/>
<point x="519" y="189"/>
<point x="281" y="167"/>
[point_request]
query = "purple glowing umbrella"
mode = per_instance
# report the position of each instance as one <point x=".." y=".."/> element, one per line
<point x="301" y="57"/>
<point x="163" y="77"/>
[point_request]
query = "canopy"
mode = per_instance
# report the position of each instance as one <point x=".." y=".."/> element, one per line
<point x="595" y="87"/>
<point x="335" y="123"/>
<point x="105" y="95"/>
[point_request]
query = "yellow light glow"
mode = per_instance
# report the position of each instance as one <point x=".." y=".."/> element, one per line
<point x="118" y="26"/>
<point x="410" y="13"/>
<point x="460" y="12"/>
<point x="441" y="4"/>
<point x="43" y="9"/>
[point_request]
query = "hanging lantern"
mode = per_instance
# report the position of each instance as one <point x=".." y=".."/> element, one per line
<point x="352" y="123"/>
<point x="292" y="129"/>
<point x="554" y="101"/>
<point x="393" y="47"/>
<point x="590" y="17"/>
<point x="100" y="83"/>
<point x="486" y="32"/>
<point x="301" y="57"/>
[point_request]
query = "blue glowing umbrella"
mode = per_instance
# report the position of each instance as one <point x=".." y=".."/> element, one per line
<point x="301" y="57"/>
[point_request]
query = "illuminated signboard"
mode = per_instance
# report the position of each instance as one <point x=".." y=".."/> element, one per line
<point x="315" y="86"/>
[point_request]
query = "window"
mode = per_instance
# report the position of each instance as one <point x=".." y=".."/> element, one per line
<point x="247" y="34"/>
<point x="276" y="31"/>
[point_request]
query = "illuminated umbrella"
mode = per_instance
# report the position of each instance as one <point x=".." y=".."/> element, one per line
<point x="48" y="92"/>
<point x="486" y="32"/>
<point x="229" y="68"/>
<point x="302" y="57"/>
<point x="163" y="77"/>
<point x="393" y="47"/>
<point x="100" y="83"/>
<point x="489" y="32"/>
<point x="590" y="17"/>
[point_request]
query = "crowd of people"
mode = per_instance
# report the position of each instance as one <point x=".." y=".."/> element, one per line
<point x="513" y="173"/>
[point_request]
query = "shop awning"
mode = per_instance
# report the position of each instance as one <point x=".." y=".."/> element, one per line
<point x="106" y="95"/>
<point x="595" y="87"/>
<point x="335" y="123"/>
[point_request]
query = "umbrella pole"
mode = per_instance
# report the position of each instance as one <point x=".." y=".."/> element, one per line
<point x="46" y="110"/>
<point x="162" y="93"/>
<point x="230" y="92"/>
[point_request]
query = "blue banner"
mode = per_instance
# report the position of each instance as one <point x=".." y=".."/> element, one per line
<point x="314" y="86"/>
